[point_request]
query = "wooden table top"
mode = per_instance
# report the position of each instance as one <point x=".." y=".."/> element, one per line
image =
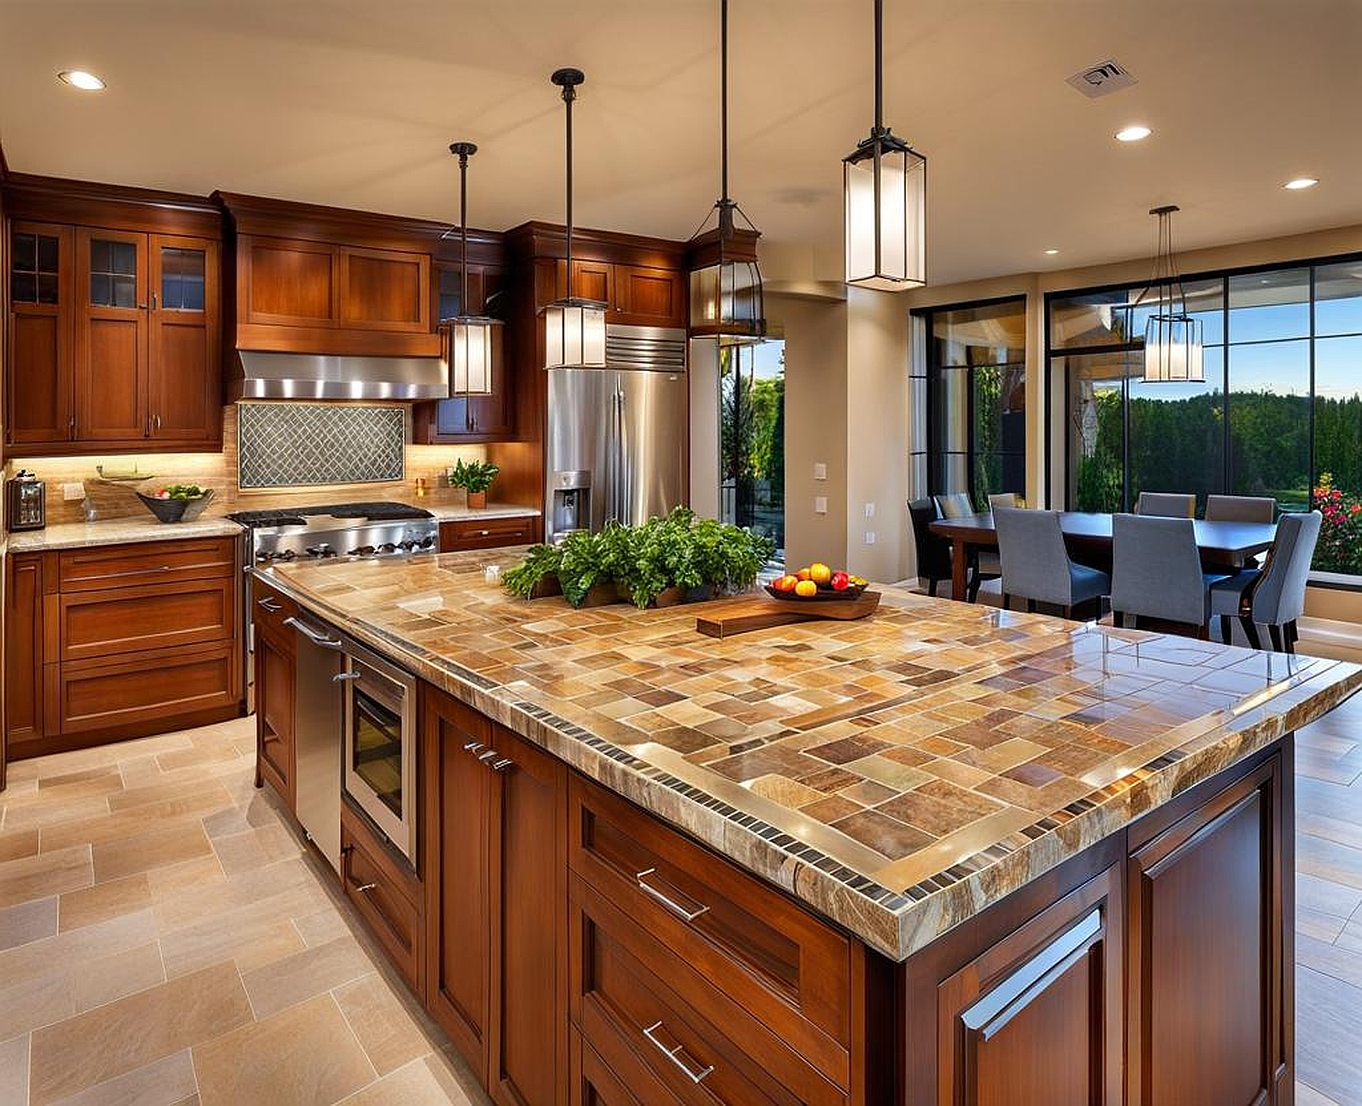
<point x="1233" y="539"/>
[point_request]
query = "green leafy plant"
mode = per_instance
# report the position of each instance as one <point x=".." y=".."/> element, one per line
<point x="540" y="562"/>
<point x="582" y="566"/>
<point x="473" y="476"/>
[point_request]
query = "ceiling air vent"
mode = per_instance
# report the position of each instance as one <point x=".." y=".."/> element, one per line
<point x="1102" y="79"/>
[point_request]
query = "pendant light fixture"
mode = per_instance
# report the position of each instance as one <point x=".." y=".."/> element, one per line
<point x="574" y="328"/>
<point x="885" y="185"/>
<point x="1172" y="338"/>
<point x="726" y="301"/>
<point x="469" y="335"/>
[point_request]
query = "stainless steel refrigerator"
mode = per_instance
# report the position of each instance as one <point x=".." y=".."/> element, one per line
<point x="617" y="436"/>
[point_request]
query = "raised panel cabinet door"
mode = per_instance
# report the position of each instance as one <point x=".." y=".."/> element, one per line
<point x="282" y="282"/>
<point x="275" y="720"/>
<point x="111" y="336"/>
<point x="24" y="649"/>
<point x="384" y="290"/>
<point x="41" y="338"/>
<point x="591" y="280"/>
<point x="185" y="394"/>
<point x="1036" y="1020"/>
<point x="650" y="297"/>
<point x="458" y="797"/>
<point x="528" y="1040"/>
<point x="1210" y="960"/>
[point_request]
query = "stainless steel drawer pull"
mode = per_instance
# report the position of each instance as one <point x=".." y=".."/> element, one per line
<point x="474" y="746"/>
<point x="502" y="764"/>
<point x="317" y="637"/>
<point x="365" y="886"/>
<point x="676" y="1053"/>
<point x="491" y="754"/>
<point x="269" y="604"/>
<point x="670" y="903"/>
<point x="344" y="677"/>
<point x="484" y="533"/>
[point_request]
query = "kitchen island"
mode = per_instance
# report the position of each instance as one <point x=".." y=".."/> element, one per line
<point x="999" y="857"/>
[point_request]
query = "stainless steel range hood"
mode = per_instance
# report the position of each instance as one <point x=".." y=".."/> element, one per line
<point x="264" y="375"/>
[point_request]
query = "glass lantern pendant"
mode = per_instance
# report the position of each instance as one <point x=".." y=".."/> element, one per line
<point x="726" y="300"/>
<point x="1173" y="352"/>
<point x="885" y="185"/>
<point x="574" y="328"/>
<point x="469" y="336"/>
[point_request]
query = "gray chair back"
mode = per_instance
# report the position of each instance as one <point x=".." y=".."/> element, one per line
<point x="1004" y="499"/>
<point x="955" y="505"/>
<point x="1035" y="562"/>
<point x="1166" y="504"/>
<point x="1241" y="508"/>
<point x="1280" y="595"/>
<point x="1156" y="569"/>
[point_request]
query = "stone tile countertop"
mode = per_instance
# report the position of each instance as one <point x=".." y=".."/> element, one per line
<point x="897" y="774"/>
<point x="457" y="512"/>
<point x="118" y="531"/>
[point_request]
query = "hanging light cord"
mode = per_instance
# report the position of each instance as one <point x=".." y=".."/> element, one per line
<point x="1165" y="274"/>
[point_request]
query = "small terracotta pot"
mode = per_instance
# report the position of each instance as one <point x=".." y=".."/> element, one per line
<point x="477" y="500"/>
<point x="549" y="585"/>
<point x="668" y="597"/>
<point x="602" y="595"/>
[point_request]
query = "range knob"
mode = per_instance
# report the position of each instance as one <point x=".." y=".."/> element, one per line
<point x="407" y="545"/>
<point x="263" y="557"/>
<point x="286" y="555"/>
<point x="362" y="551"/>
<point x="387" y="547"/>
<point x="321" y="550"/>
<point x="428" y="542"/>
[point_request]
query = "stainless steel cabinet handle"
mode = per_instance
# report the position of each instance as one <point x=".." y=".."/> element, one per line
<point x="269" y="604"/>
<point x="491" y="754"/>
<point x="484" y="533"/>
<point x="502" y="764"/>
<point x="365" y="886"/>
<point x="670" y="903"/>
<point x="153" y="301"/>
<point x="676" y="1054"/>
<point x="344" y="677"/>
<point x="474" y="746"/>
<point x="315" y="636"/>
<point x="156" y="423"/>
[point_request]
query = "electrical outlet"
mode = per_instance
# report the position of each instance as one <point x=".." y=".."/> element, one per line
<point x="870" y="510"/>
<point x="820" y="471"/>
<point x="820" y="504"/>
<point x="74" y="490"/>
<point x="870" y="537"/>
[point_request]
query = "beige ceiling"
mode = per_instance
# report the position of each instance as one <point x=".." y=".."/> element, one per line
<point x="353" y="102"/>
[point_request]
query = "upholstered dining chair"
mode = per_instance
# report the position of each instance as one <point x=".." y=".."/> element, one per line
<point x="1275" y="594"/>
<point x="954" y="505"/>
<point x="1166" y="504"/>
<point x="1036" y="566"/>
<point x="933" y="551"/>
<point x="1241" y="508"/>
<point x="1005" y="499"/>
<point x="1156" y="572"/>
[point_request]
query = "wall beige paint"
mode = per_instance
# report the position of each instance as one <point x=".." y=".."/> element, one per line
<point x="703" y="379"/>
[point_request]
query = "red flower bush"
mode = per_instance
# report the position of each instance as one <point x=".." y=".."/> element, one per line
<point x="1340" y="536"/>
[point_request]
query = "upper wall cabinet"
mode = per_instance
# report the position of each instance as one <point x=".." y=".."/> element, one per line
<point x="113" y="321"/>
<point x="634" y="295"/>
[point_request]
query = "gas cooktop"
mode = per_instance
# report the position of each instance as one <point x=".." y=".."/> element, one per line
<point x="298" y="516"/>
<point x="338" y="530"/>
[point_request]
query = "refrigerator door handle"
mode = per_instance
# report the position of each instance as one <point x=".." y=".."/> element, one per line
<point x="622" y="445"/>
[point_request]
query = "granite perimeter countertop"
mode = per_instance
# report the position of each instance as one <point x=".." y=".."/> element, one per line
<point x="459" y="512"/>
<point x="118" y="531"/>
<point x="898" y="774"/>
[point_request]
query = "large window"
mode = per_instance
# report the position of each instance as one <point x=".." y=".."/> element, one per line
<point x="976" y="399"/>
<point x="752" y="438"/>
<point x="1280" y="412"/>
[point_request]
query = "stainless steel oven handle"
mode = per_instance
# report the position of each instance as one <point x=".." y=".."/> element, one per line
<point x="315" y="636"/>
<point x="269" y="604"/>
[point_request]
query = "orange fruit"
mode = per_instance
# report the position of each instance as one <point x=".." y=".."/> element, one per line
<point x="806" y="588"/>
<point x="803" y="574"/>
<point x="819" y="573"/>
<point x="786" y="583"/>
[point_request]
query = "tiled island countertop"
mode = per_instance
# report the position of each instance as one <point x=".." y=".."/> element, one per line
<point x="897" y="774"/>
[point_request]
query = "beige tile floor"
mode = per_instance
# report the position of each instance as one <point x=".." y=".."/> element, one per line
<point x="165" y="939"/>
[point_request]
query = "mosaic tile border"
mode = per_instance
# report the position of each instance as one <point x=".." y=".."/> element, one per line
<point x="291" y="445"/>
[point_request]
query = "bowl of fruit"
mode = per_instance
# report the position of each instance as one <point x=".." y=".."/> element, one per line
<point x="817" y="583"/>
<point x="177" y="502"/>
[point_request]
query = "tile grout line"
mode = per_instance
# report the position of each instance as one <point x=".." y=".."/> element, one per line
<point x="331" y="994"/>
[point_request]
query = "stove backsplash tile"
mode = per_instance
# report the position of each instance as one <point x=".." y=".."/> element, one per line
<point x="288" y="445"/>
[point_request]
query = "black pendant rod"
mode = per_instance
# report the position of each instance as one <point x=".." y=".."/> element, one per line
<point x="568" y="80"/>
<point x="879" y="66"/>
<point x="463" y="151"/>
<point x="723" y="98"/>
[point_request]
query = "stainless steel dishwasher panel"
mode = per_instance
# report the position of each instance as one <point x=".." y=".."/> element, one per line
<point x="317" y="728"/>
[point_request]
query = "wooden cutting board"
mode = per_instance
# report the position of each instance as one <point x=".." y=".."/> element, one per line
<point x="764" y="612"/>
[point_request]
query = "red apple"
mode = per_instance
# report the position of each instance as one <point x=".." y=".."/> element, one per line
<point x="840" y="581"/>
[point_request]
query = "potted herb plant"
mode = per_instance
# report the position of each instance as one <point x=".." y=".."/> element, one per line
<point x="537" y="575"/>
<point x="475" y="477"/>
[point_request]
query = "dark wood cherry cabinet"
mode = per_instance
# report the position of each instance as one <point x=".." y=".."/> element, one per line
<point x="386" y="893"/>
<point x="276" y="694"/>
<point x="111" y="642"/>
<point x="39" y="370"/>
<point x="634" y="295"/>
<point x="492" y="533"/>
<point x="496" y="899"/>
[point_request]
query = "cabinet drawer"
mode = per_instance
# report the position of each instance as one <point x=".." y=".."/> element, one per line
<point x="126" y="620"/>
<point x="489" y="534"/>
<point x="135" y="691"/>
<point x="155" y="563"/>
<point x="269" y="608"/>
<point x="386" y="896"/>
<point x="793" y="973"/>
<point x="595" y="1084"/>
<point x="694" y="1045"/>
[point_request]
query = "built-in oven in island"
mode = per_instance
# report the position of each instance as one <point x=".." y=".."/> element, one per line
<point x="380" y="744"/>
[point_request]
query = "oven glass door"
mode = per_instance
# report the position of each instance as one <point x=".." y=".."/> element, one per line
<point x="380" y="751"/>
<point x="376" y="755"/>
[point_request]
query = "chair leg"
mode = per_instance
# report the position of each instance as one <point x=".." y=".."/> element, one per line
<point x="1226" y="629"/>
<point x="1007" y="602"/>
<point x="932" y="581"/>
<point x="1250" y="630"/>
<point x="1118" y="619"/>
<point x="1275" y="633"/>
<point x="1030" y="606"/>
<point x="974" y="584"/>
<point x="1289" y="632"/>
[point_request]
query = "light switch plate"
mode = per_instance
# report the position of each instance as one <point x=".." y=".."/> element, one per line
<point x="820" y="504"/>
<point x="73" y="490"/>
<point x="820" y="471"/>
<point x="870" y="510"/>
<point x="870" y="537"/>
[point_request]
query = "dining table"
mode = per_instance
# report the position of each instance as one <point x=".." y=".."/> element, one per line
<point x="1089" y="535"/>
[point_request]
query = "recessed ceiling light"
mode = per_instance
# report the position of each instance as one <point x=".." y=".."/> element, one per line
<point x="1301" y="182"/>
<point x="1051" y="252"/>
<point x="1133" y="133"/>
<point x="79" y="78"/>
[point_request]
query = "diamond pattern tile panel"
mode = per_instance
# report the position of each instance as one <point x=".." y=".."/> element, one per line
<point x="289" y="445"/>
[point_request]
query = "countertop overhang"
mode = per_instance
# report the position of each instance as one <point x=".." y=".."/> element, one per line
<point x="897" y="774"/>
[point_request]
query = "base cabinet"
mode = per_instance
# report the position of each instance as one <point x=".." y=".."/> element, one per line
<point x="275" y="706"/>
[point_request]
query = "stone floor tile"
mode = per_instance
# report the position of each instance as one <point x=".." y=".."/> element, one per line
<point x="112" y="977"/>
<point x="18" y="844"/>
<point x="36" y="877"/>
<point x="14" y="1070"/>
<point x="256" y="848"/>
<point x="414" y="1084"/>
<point x="104" y="901"/>
<point x="75" y="947"/>
<point x="305" y="974"/>
<point x="169" y="843"/>
<point x="165" y="1082"/>
<point x="36" y="1001"/>
<point x="389" y="1035"/>
<point x="120" y="824"/>
<point x="29" y="921"/>
<point x="322" y="926"/>
<point x="305" y="1056"/>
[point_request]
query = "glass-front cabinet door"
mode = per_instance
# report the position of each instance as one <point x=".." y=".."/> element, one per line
<point x="111" y="336"/>
<point x="184" y="402"/>
<point x="40" y="334"/>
